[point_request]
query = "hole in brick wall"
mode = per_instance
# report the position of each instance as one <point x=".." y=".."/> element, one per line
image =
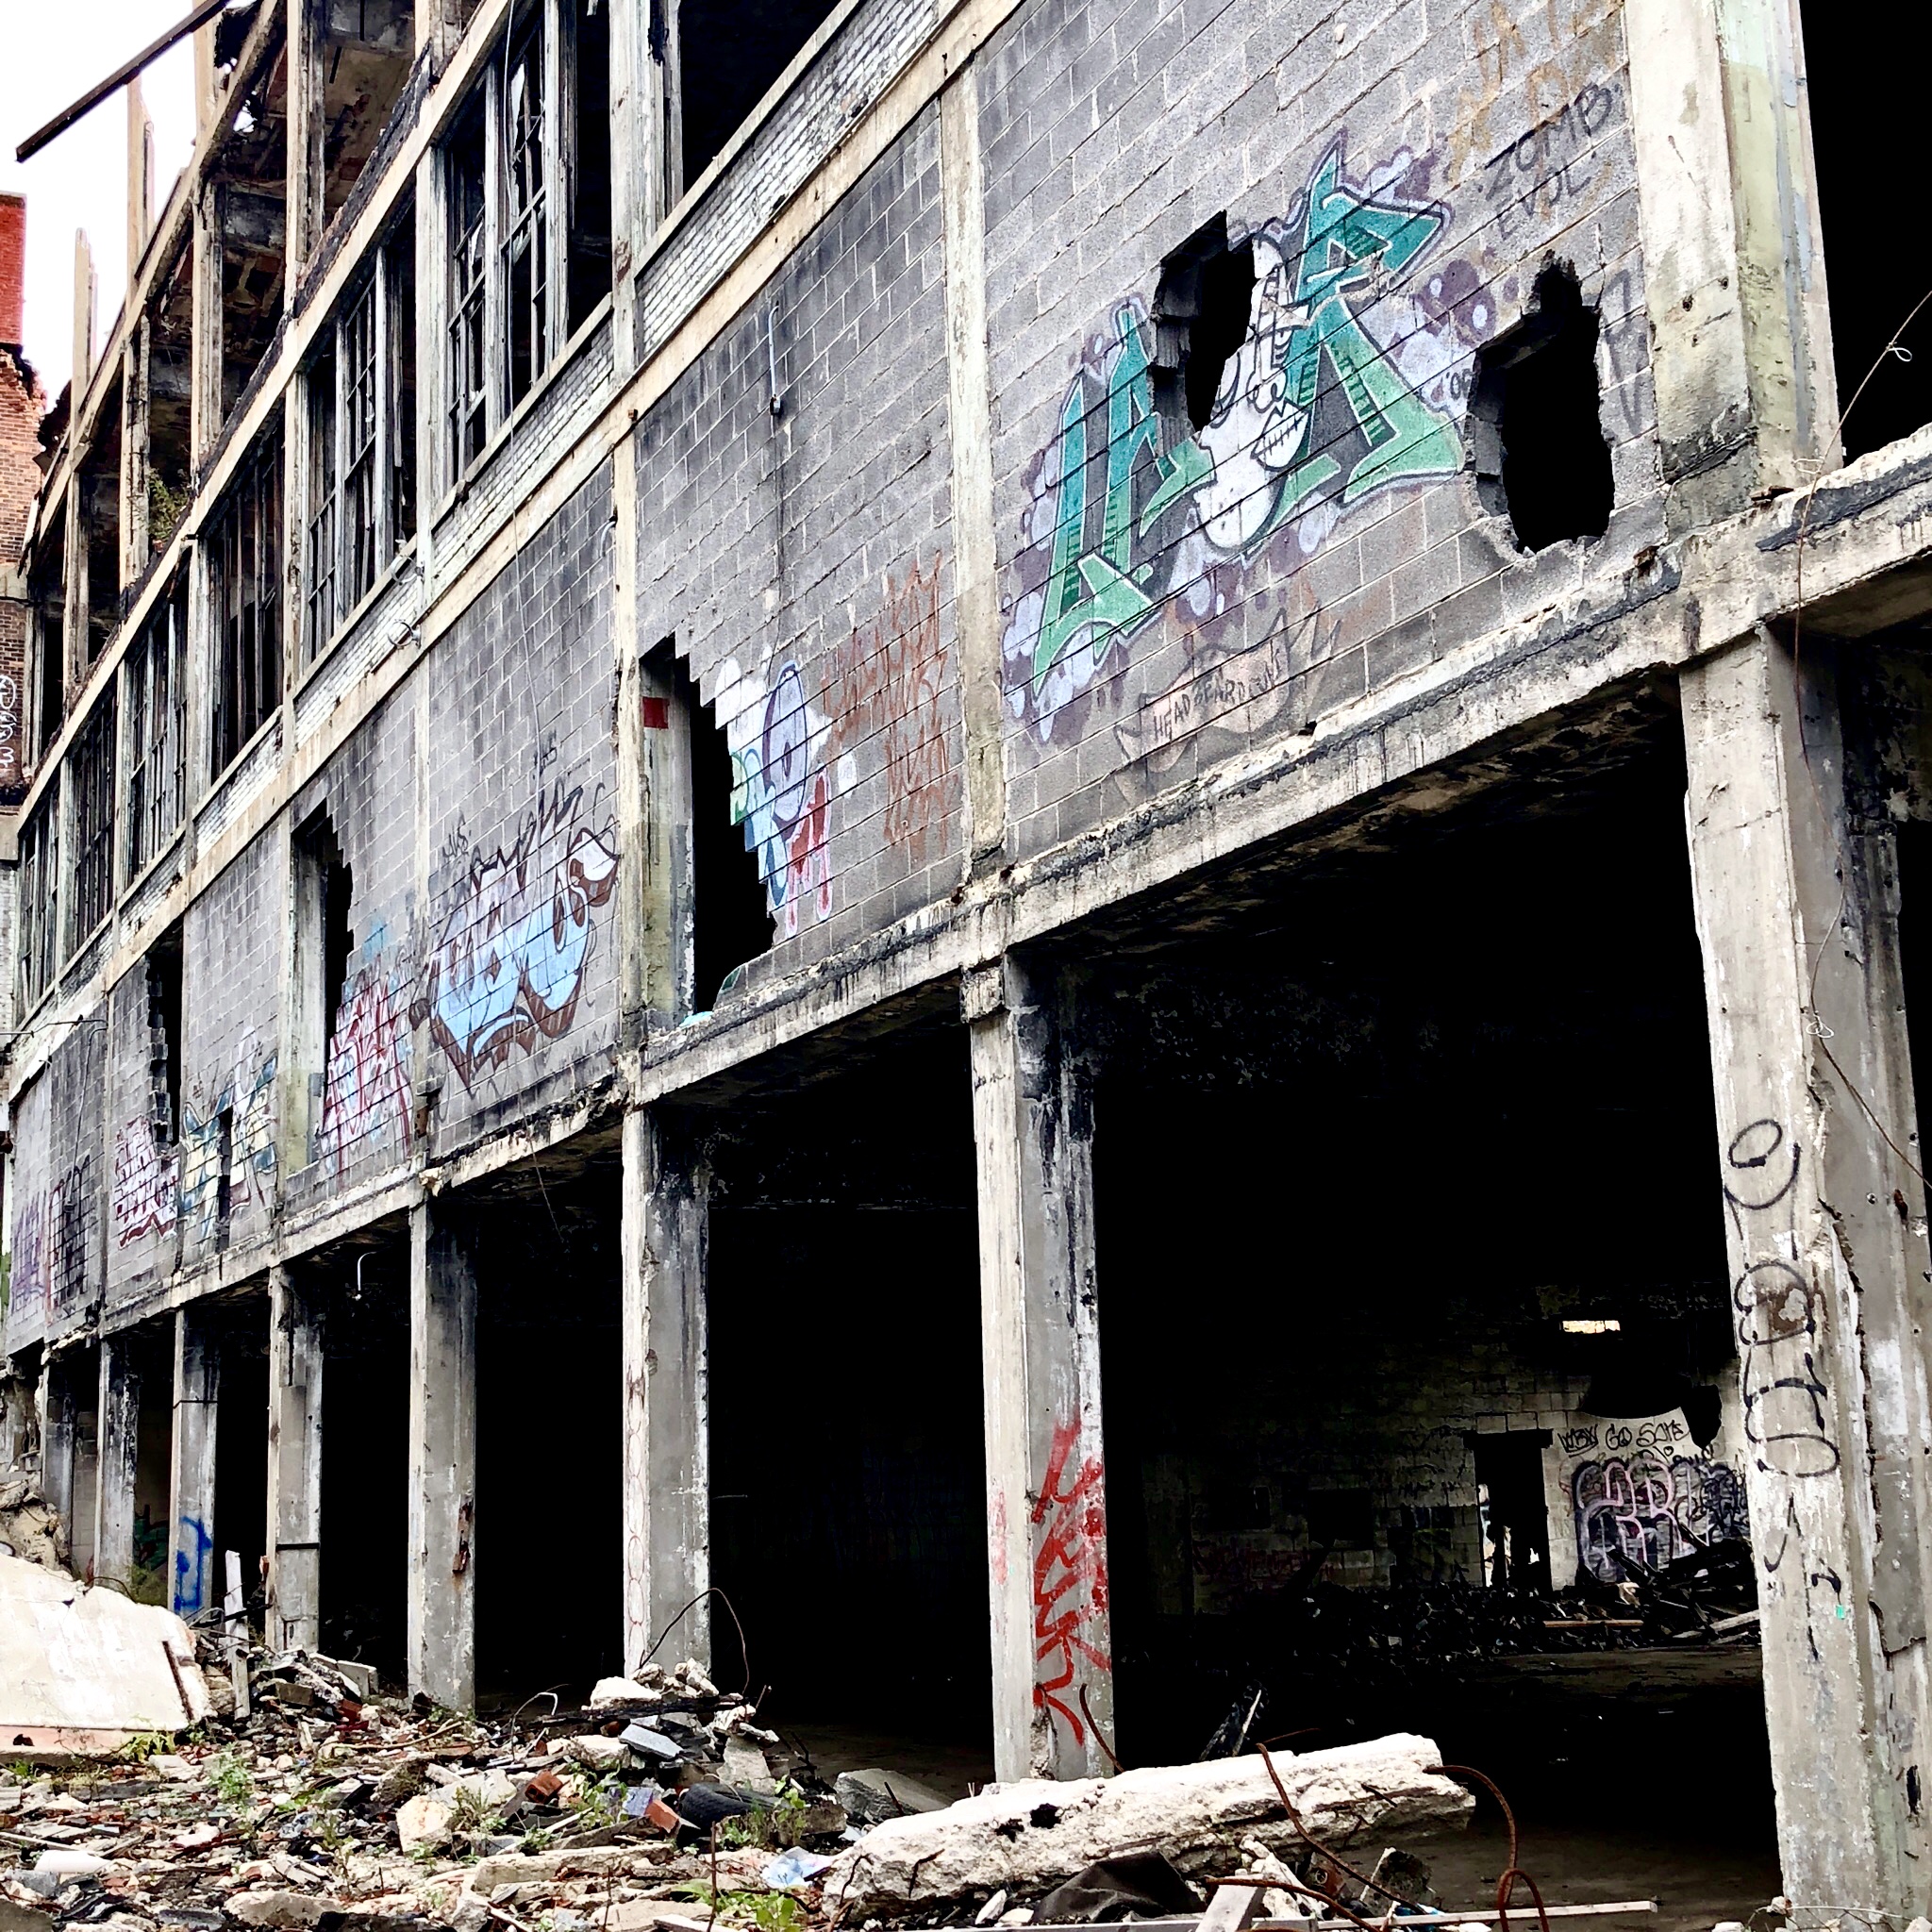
<point x="1540" y="458"/>
<point x="1200" y="309"/>
<point x="164" y="1032"/>
<point x="731" y="922"/>
<point x="325" y="889"/>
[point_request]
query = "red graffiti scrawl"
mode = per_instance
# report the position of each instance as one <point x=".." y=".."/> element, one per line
<point x="1069" y="1573"/>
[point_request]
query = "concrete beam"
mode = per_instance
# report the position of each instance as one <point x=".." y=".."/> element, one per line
<point x="442" y="1459"/>
<point x="294" y="1466"/>
<point x="1047" y="1484"/>
<point x="119" y="1455"/>
<point x="194" y="1579"/>
<point x="666" y="1485"/>
<point x="1795" y="892"/>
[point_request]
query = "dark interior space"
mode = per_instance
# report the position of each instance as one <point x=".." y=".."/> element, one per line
<point x="729" y="54"/>
<point x="366" y="60"/>
<point x="1540" y="458"/>
<point x="732" y="918"/>
<point x="253" y="173"/>
<point x="549" y="1424"/>
<point x="151" y="1352"/>
<point x="46" y="589"/>
<point x="241" y="1512"/>
<point x="100" y="523"/>
<point x="848" y="1490"/>
<point x="1201" y="312"/>
<point x="1416" y="1078"/>
<point x="1862" y="114"/>
<point x="169" y="390"/>
<point x="365" y="1296"/>
<point x="588" y="265"/>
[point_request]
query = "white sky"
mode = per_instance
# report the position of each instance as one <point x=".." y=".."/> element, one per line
<point x="55" y="51"/>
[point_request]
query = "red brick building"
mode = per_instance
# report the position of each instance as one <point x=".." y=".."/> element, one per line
<point x="20" y="407"/>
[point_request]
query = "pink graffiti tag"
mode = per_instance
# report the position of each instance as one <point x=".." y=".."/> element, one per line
<point x="1068" y="1573"/>
<point x="368" y="1086"/>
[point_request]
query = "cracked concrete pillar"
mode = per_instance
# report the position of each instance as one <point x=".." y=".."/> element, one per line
<point x="667" y="1484"/>
<point x="193" y="1582"/>
<point x="1046" y="1488"/>
<point x="1795" y="886"/>
<point x="294" y="1466"/>
<point x="442" y="1456"/>
<point x="119" y="1457"/>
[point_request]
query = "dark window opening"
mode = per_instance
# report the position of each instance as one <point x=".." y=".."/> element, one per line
<point x="324" y="893"/>
<point x="400" y="260"/>
<point x="168" y="471"/>
<point x="338" y="942"/>
<point x="1540" y="458"/>
<point x="320" y="618"/>
<point x="47" y="594"/>
<point x="100" y="523"/>
<point x="525" y="131"/>
<point x="245" y="579"/>
<point x="1201" y="309"/>
<point x="1864" y="129"/>
<point x="730" y="52"/>
<point x="730" y="917"/>
<point x="589" y="173"/>
<point x="155" y="684"/>
<point x="224" y="1163"/>
<point x="1515" y="1520"/>
<point x="39" y="898"/>
<point x="469" y="364"/>
<point x="164" y="1033"/>
<point x="91" y="769"/>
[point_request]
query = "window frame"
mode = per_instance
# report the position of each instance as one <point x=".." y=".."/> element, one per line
<point x="357" y="506"/>
<point x="249" y="660"/>
<point x="39" y="899"/>
<point x="154" y="727"/>
<point x="92" y="791"/>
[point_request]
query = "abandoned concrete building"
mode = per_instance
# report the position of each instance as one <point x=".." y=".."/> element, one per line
<point x="703" y="677"/>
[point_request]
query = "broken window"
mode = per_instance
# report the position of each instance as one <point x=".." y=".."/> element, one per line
<point x="90" y="766"/>
<point x="47" y="597"/>
<point x="534" y="136"/>
<point x="154" y="703"/>
<point x="164" y="1033"/>
<point x="729" y="54"/>
<point x="731" y="918"/>
<point x="1200" y="306"/>
<point x="361" y="391"/>
<point x="39" y="898"/>
<point x="325" y="888"/>
<point x="244" y="596"/>
<point x="100" y="527"/>
<point x="170" y="323"/>
<point x="1540" y="458"/>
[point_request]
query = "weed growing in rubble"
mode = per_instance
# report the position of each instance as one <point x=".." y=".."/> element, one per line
<point x="767" y="1912"/>
<point x="233" y="1783"/>
<point x="143" y="1745"/>
<point x="776" y="1826"/>
<point x="537" y="1840"/>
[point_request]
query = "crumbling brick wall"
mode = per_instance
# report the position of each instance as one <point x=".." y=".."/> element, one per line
<point x="802" y="563"/>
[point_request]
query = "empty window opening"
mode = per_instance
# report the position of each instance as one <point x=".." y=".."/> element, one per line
<point x="47" y="597"/>
<point x="524" y="130"/>
<point x="251" y="225"/>
<point x="589" y="172"/>
<point x="1864" y="129"/>
<point x="366" y="54"/>
<point x="399" y="346"/>
<point x="1512" y="1514"/>
<point x="154" y="687"/>
<point x="1540" y="458"/>
<point x="730" y="52"/>
<point x="225" y="1164"/>
<point x="1200" y="309"/>
<point x="100" y="524"/>
<point x="469" y="362"/>
<point x="39" y="898"/>
<point x="245" y="577"/>
<point x="164" y="1034"/>
<point x="91" y="769"/>
<point x="170" y="323"/>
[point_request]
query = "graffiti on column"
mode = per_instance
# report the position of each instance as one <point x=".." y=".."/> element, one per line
<point x="366" y="1091"/>
<point x="26" y="1281"/>
<point x="1351" y="380"/>
<point x="1069" y="1592"/>
<point x="245" y="1099"/>
<point x="146" y="1198"/>
<point x="506" y="968"/>
<point x="886" y="683"/>
<point x="781" y="795"/>
<point x="190" y="1567"/>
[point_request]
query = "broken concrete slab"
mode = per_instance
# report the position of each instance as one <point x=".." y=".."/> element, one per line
<point x="1027" y="1837"/>
<point x="82" y="1671"/>
<point x="289" y="1911"/>
<point x="871" y="1796"/>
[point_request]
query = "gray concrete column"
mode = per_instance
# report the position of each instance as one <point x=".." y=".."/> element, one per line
<point x="1796" y="911"/>
<point x="119" y="1454"/>
<point x="294" y="1466"/>
<point x="57" y="1442"/>
<point x="1046" y="1488"/>
<point x="194" y="1571"/>
<point x="442" y="1459"/>
<point x="667" y="1483"/>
